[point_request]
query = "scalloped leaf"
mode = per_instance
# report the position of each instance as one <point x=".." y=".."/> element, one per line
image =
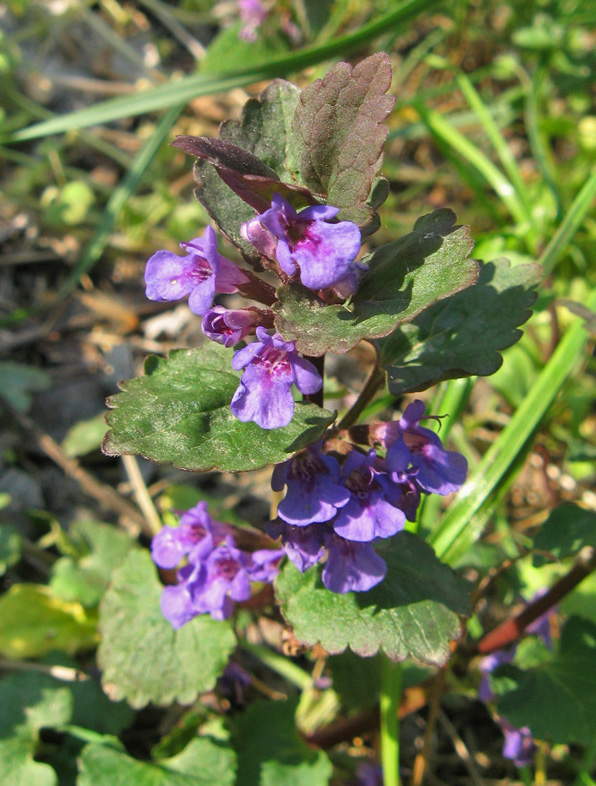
<point x="203" y="762"/>
<point x="271" y="751"/>
<point x="180" y="413"/>
<point x="557" y="699"/>
<point x="464" y="334"/>
<point x="143" y="659"/>
<point x="414" y="612"/>
<point x="339" y="134"/>
<point x="404" y="278"/>
<point x="28" y="702"/>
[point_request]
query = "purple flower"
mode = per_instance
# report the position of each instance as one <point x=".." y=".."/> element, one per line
<point x="252" y="13"/>
<point x="435" y="469"/>
<point x="314" y="493"/>
<point x="352" y="567"/>
<point x="371" y="511"/>
<point x="200" y="274"/>
<point x="177" y="606"/>
<point x="322" y="253"/>
<point x="368" y="774"/>
<point x="519" y="745"/>
<point x="224" y="578"/>
<point x="271" y="366"/>
<point x="487" y="666"/>
<point x="225" y="575"/>
<point x="228" y="327"/>
<point x="304" y="546"/>
<point x="195" y="536"/>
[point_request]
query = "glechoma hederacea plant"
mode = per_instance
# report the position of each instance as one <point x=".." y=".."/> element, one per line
<point x="294" y="186"/>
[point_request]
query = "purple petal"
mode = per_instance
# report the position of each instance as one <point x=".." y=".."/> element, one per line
<point x="201" y="297"/>
<point x="267" y="402"/>
<point x="326" y="253"/>
<point x="307" y="378"/>
<point x="304" y="546"/>
<point x="365" y="520"/>
<point x="305" y="504"/>
<point x="318" y="213"/>
<point x="166" y="548"/>
<point x="284" y="257"/>
<point x="169" y="276"/>
<point x="352" y="567"/>
<point x="177" y="606"/>
<point x="246" y="355"/>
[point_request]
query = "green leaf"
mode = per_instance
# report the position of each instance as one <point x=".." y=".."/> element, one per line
<point x="265" y="127"/>
<point x="33" y="622"/>
<point x="557" y="700"/>
<point x="10" y="548"/>
<point x="19" y="381"/>
<point x="404" y="278"/>
<point x="567" y="530"/>
<point x="102" y="548"/>
<point x="203" y="762"/>
<point x="29" y="701"/>
<point x="462" y="335"/>
<point x="339" y="132"/>
<point x="84" y="436"/>
<point x="180" y="413"/>
<point x="142" y="657"/>
<point x="271" y="752"/>
<point x="412" y="613"/>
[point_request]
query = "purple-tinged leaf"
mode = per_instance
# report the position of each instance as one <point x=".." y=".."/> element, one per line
<point x="247" y="176"/>
<point x="340" y="136"/>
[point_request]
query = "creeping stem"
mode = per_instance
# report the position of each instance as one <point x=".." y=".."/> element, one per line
<point x="391" y="682"/>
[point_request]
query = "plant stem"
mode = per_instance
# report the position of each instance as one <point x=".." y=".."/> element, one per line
<point x="391" y="681"/>
<point x="278" y="663"/>
<point x="368" y="392"/>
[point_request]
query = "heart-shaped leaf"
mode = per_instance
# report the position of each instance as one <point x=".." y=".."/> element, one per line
<point x="180" y="413"/>
<point x="414" y="612"/>
<point x="142" y="657"/>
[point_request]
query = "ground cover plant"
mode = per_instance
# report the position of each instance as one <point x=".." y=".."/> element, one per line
<point x="353" y="538"/>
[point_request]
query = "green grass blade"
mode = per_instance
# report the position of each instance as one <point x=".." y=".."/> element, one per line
<point x="498" y="141"/>
<point x="183" y="90"/>
<point x="570" y="224"/>
<point x="444" y="131"/>
<point x="94" y="249"/>
<point x="465" y="520"/>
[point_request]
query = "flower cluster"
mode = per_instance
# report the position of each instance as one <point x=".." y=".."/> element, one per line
<point x="340" y="511"/>
<point x="216" y="572"/>
<point x="310" y="246"/>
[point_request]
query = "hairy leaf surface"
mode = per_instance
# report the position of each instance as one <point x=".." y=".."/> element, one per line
<point x="464" y="334"/>
<point x="414" y="612"/>
<point x="339" y="128"/>
<point x="142" y="657"/>
<point x="179" y="412"/>
<point x="404" y="278"/>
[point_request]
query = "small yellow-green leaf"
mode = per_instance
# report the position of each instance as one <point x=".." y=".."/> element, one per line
<point x="33" y="622"/>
